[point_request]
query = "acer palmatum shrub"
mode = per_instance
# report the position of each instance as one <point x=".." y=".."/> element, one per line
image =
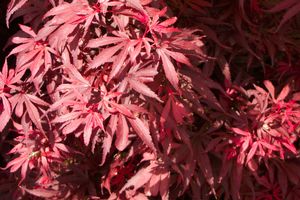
<point x="151" y="99"/>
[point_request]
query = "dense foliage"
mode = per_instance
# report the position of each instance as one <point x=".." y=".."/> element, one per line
<point x="151" y="99"/>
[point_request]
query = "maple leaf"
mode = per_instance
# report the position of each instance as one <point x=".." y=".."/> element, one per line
<point x="142" y="131"/>
<point x="33" y="152"/>
<point x="30" y="101"/>
<point x="13" y="7"/>
<point x="175" y="109"/>
<point x="160" y="91"/>
<point x="7" y="79"/>
<point x="136" y="79"/>
<point x="160" y="180"/>
<point x="39" y="192"/>
<point x="140" y="178"/>
<point x="122" y="134"/>
<point x="154" y="26"/>
<point x="169" y="68"/>
<point x="78" y="13"/>
<point x="122" y="45"/>
<point x="33" y="53"/>
<point x="81" y="115"/>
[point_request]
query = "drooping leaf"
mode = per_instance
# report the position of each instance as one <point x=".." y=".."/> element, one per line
<point x="39" y="192"/>
<point x="122" y="134"/>
<point x="142" y="88"/>
<point x="139" y="179"/>
<point x="169" y="69"/>
<point x="142" y="131"/>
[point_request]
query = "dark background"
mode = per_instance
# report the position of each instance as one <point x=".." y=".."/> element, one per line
<point x="5" y="33"/>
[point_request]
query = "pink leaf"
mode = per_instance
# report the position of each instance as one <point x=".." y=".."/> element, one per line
<point x="58" y="10"/>
<point x="122" y="134"/>
<point x="6" y="113"/>
<point x="165" y="113"/>
<point x="112" y="125"/>
<point x="136" y="5"/>
<point x="122" y="109"/>
<point x="139" y="179"/>
<point x="107" y="141"/>
<point x="43" y="193"/>
<point x="136" y="52"/>
<point x="20" y="48"/>
<point x="146" y="72"/>
<point x="169" y="69"/>
<point x="252" y="151"/>
<point x="290" y="147"/>
<point x="241" y="132"/>
<point x="119" y="61"/>
<point x="168" y="22"/>
<point x="104" y="41"/>
<point x="142" y="131"/>
<point x="164" y="185"/>
<point x="13" y="7"/>
<point x="37" y="100"/>
<point x="143" y="89"/>
<point x="66" y="117"/>
<point x="24" y="170"/>
<point x="179" y="111"/>
<point x="27" y="30"/>
<point x="16" y="163"/>
<point x="179" y="57"/>
<point x="72" y="126"/>
<point x="76" y="74"/>
<point x="152" y="187"/>
<point x="105" y="55"/>
<point x="269" y="146"/>
<point x="62" y="147"/>
<point x="283" y="94"/>
<point x="296" y="96"/>
<point x="33" y="113"/>
<point x="270" y="88"/>
<point x="87" y="130"/>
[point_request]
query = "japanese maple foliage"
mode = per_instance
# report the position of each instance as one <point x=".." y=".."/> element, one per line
<point x="151" y="99"/>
